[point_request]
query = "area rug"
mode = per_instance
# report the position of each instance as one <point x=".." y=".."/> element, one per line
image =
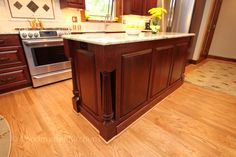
<point x="220" y="76"/>
<point x="5" y="137"/>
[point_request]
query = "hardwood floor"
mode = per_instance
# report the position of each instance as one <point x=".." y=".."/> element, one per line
<point x="191" y="122"/>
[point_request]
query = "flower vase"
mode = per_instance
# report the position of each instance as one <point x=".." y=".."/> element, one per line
<point x="155" y="25"/>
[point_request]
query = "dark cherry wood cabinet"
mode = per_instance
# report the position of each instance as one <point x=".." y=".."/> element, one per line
<point x="79" y="4"/>
<point x="179" y="62"/>
<point x="147" y="5"/>
<point x="161" y="68"/>
<point x="11" y="57"/>
<point x="132" y="7"/>
<point x="135" y="79"/>
<point x="14" y="72"/>
<point x="86" y="66"/>
<point x="113" y="85"/>
<point x="138" y="7"/>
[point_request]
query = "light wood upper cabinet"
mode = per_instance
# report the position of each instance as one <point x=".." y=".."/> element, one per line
<point x="80" y="4"/>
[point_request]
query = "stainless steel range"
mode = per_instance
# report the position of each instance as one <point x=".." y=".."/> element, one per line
<point x="45" y="55"/>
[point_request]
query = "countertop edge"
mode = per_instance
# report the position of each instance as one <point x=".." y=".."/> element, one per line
<point x="96" y="42"/>
<point x="9" y="33"/>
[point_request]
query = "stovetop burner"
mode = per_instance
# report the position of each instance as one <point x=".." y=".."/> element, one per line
<point x="50" y="29"/>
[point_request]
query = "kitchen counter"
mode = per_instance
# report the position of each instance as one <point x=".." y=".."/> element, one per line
<point x="97" y="31"/>
<point x="8" y="32"/>
<point x="72" y="32"/>
<point x="117" y="78"/>
<point x="120" y="38"/>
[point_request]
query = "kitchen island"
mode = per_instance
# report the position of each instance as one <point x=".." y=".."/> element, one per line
<point x="117" y="78"/>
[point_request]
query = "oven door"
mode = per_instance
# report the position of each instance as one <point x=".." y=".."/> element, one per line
<point x="45" y="55"/>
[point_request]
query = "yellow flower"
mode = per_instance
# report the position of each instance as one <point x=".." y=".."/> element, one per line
<point x="116" y="19"/>
<point x="157" y="12"/>
<point x="87" y="16"/>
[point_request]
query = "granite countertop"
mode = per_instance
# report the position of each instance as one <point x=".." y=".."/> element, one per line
<point x="97" y="31"/>
<point x="8" y="32"/>
<point x="73" y="32"/>
<point x="121" y="38"/>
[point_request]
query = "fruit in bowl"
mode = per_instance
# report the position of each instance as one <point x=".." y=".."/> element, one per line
<point x="133" y="29"/>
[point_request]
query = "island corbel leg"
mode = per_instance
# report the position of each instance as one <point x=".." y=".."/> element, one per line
<point x="107" y="98"/>
<point x="76" y="97"/>
<point x="108" y="128"/>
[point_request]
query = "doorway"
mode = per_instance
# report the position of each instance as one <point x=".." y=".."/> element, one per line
<point x="210" y="29"/>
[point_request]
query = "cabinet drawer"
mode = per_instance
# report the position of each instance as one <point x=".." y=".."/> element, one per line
<point x="13" y="78"/>
<point x="10" y="57"/>
<point x="9" y="40"/>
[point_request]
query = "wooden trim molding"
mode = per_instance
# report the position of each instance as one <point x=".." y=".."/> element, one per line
<point x="82" y="15"/>
<point x="191" y="61"/>
<point x="222" y="58"/>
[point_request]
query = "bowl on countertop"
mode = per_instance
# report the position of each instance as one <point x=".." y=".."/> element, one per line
<point x="133" y="31"/>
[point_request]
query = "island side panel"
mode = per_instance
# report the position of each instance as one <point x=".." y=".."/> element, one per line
<point x="163" y="64"/>
<point x="70" y="48"/>
<point x="87" y="80"/>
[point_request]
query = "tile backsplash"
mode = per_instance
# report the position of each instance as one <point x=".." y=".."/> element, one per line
<point x="31" y="9"/>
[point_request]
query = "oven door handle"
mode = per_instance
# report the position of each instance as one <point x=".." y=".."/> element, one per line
<point x="44" y="43"/>
<point x="51" y="74"/>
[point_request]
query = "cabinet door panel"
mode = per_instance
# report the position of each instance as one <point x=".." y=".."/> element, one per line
<point x="132" y="7"/>
<point x="9" y="40"/>
<point x="161" y="67"/>
<point x="11" y="56"/>
<point x="135" y="79"/>
<point x="179" y="62"/>
<point x="149" y="4"/>
<point x="76" y="1"/>
<point x="79" y="4"/>
<point x="86" y="67"/>
<point x="13" y="77"/>
<point x="137" y="7"/>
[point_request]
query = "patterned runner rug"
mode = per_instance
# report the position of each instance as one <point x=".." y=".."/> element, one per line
<point x="5" y="137"/>
<point x="220" y="76"/>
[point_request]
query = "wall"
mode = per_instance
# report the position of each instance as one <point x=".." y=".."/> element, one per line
<point x="62" y="19"/>
<point x="203" y="29"/>
<point x="223" y="43"/>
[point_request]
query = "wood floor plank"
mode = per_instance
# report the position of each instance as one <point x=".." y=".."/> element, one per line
<point x="191" y="122"/>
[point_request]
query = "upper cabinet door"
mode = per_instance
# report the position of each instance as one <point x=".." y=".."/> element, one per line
<point x="138" y="7"/>
<point x="149" y="4"/>
<point x="132" y="7"/>
<point x="80" y="4"/>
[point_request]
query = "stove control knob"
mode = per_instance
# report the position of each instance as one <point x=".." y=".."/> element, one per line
<point x="30" y="35"/>
<point x="36" y="35"/>
<point x="60" y="34"/>
<point x="24" y="35"/>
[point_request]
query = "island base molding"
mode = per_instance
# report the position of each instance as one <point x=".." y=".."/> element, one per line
<point x="114" y="85"/>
